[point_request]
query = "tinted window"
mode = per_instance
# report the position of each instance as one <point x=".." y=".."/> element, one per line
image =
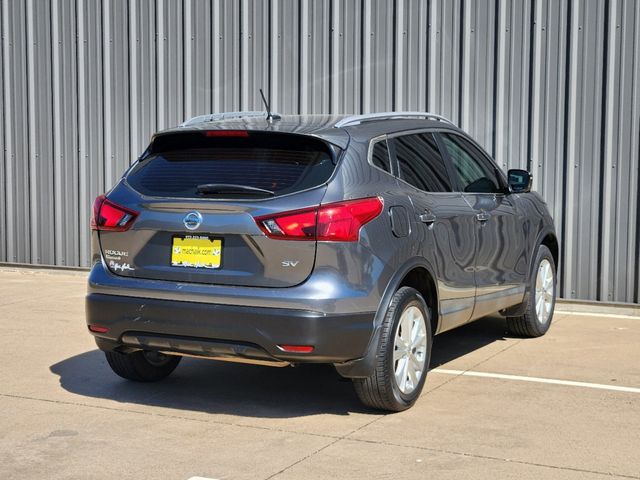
<point x="421" y="164"/>
<point x="380" y="156"/>
<point x="276" y="162"/>
<point x="475" y="171"/>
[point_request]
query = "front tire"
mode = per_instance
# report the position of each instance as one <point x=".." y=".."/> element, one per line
<point x="538" y="314"/>
<point x="404" y="351"/>
<point x="142" y="366"/>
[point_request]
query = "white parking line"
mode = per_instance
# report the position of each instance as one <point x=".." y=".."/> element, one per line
<point x="601" y="315"/>
<point x="553" y="381"/>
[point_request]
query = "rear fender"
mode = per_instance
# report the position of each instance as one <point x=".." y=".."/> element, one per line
<point x="364" y="367"/>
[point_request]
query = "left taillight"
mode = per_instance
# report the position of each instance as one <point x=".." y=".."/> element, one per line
<point x="333" y="222"/>
<point x="107" y="215"/>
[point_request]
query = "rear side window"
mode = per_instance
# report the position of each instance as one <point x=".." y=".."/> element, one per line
<point x="380" y="156"/>
<point x="476" y="172"/>
<point x="256" y="165"/>
<point x="421" y="163"/>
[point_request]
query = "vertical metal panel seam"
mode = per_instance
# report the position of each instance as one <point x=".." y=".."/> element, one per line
<point x="56" y="212"/>
<point x="269" y="49"/>
<point x="299" y="58"/>
<point x="566" y="160"/>
<point x="132" y="75"/>
<point x="241" y="33"/>
<point x="394" y="55"/>
<point x="636" y="87"/>
<point x="3" y="224"/>
<point x="461" y="72"/>
<point x="365" y="91"/>
<point x="494" y="88"/>
<point x="156" y="50"/>
<point x="532" y="66"/>
<point x="362" y="48"/>
<point x="612" y="94"/>
<point x="331" y="29"/>
<point x="427" y="58"/>
<point x="212" y="84"/>
<point x="104" y="99"/>
<point x="603" y="145"/>
<point x="184" y="69"/>
<point x="82" y="184"/>
<point x="9" y="141"/>
<point x="30" y="147"/>
<point x="637" y="269"/>
<point x="80" y="179"/>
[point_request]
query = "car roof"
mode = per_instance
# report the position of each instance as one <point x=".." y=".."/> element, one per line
<point x="320" y="126"/>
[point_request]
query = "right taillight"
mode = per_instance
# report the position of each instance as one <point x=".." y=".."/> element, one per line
<point x="107" y="215"/>
<point x="334" y="222"/>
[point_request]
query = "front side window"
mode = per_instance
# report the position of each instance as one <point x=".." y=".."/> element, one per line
<point x="421" y="163"/>
<point x="475" y="172"/>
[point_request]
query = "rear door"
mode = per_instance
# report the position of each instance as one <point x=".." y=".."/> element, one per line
<point x="196" y="196"/>
<point x="444" y="224"/>
<point x="501" y="266"/>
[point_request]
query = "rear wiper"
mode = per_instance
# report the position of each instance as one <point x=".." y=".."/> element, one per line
<point x="222" y="188"/>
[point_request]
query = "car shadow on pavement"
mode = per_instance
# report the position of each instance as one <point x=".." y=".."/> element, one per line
<point x="461" y="341"/>
<point x="249" y="390"/>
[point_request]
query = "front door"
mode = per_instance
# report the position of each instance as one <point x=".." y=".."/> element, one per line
<point x="501" y="266"/>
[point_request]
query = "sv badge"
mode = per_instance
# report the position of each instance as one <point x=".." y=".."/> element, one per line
<point x="290" y="263"/>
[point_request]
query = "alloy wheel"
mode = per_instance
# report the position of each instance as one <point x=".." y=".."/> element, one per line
<point x="544" y="291"/>
<point x="410" y="349"/>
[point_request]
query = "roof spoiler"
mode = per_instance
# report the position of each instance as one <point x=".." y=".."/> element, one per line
<point x="215" y="117"/>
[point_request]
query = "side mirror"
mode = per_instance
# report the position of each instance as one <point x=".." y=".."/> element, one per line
<point x="519" y="181"/>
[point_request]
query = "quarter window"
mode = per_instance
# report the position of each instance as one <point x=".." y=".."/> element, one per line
<point x="475" y="171"/>
<point x="421" y="163"/>
<point x="380" y="156"/>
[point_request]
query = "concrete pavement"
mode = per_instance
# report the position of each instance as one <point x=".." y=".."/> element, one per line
<point x="64" y="414"/>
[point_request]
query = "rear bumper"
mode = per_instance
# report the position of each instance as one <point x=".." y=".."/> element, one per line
<point x="215" y="330"/>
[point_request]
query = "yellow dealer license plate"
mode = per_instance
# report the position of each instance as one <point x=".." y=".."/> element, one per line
<point x="196" y="252"/>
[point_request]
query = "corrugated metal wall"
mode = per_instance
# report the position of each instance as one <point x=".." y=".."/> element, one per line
<point x="545" y="84"/>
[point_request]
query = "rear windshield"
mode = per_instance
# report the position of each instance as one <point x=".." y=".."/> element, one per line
<point x="256" y="164"/>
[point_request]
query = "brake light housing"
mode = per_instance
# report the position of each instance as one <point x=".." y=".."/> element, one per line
<point x="226" y="133"/>
<point x="110" y="216"/>
<point x="333" y="222"/>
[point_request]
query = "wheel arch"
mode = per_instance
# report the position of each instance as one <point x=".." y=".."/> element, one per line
<point x="551" y="242"/>
<point x="548" y="238"/>
<point x="416" y="273"/>
<point x="422" y="280"/>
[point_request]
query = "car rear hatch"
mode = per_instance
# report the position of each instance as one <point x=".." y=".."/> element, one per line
<point x="186" y="211"/>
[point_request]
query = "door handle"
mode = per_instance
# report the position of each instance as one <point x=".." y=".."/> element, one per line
<point x="482" y="217"/>
<point x="428" y="218"/>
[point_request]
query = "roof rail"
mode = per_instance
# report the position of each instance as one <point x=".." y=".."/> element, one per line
<point x="213" y="117"/>
<point x="368" y="117"/>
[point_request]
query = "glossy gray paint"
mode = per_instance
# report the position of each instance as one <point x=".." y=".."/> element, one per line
<point x="479" y="264"/>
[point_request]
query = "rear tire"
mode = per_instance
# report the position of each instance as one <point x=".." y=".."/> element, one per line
<point x="142" y="366"/>
<point x="542" y="298"/>
<point x="404" y="351"/>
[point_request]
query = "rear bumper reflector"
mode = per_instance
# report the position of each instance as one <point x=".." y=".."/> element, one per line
<point x="98" y="328"/>
<point x="296" y="348"/>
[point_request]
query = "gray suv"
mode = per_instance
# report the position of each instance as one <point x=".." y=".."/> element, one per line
<point x="291" y="239"/>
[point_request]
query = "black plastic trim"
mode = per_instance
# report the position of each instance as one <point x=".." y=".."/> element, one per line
<point x="336" y="338"/>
